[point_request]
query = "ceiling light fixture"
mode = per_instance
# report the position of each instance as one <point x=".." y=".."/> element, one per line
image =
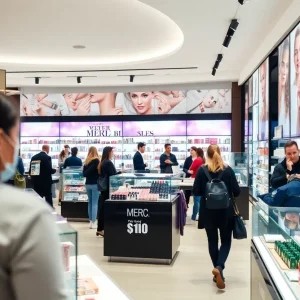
<point x="220" y="57"/>
<point x="216" y="66"/>
<point x="213" y="72"/>
<point x="243" y="1"/>
<point x="230" y="32"/>
<point x="131" y="78"/>
<point x="79" y="79"/>
<point x="227" y="41"/>
<point x="37" y="80"/>
<point x="79" y="47"/>
<point x="234" y="24"/>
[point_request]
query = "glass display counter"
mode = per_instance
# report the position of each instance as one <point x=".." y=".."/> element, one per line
<point x="275" y="255"/>
<point x="74" y="204"/>
<point x="143" y="213"/>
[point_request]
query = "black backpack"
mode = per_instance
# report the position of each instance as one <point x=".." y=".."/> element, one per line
<point x="216" y="193"/>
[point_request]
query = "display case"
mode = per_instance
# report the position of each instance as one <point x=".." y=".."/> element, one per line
<point x="69" y="243"/>
<point x="142" y="211"/>
<point x="74" y="197"/>
<point x="275" y="256"/>
<point x="144" y="187"/>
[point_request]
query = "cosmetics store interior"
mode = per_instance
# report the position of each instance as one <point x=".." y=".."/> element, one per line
<point x="238" y="92"/>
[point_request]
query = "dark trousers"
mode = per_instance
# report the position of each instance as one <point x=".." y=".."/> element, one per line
<point x="219" y="255"/>
<point x="102" y="197"/>
<point x="187" y="194"/>
<point x="44" y="191"/>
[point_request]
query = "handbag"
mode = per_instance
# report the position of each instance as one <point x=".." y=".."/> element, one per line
<point x="102" y="184"/>
<point x="239" y="229"/>
<point x="19" y="181"/>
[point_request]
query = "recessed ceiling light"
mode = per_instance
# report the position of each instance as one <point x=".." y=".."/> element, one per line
<point x="79" y="47"/>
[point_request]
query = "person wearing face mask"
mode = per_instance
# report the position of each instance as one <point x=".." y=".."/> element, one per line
<point x="27" y="229"/>
<point x="41" y="171"/>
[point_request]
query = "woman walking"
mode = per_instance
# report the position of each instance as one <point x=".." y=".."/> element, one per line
<point x="198" y="161"/>
<point x="106" y="169"/>
<point x="90" y="171"/>
<point x="221" y="220"/>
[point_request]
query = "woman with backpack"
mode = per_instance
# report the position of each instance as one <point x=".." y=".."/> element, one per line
<point x="217" y="185"/>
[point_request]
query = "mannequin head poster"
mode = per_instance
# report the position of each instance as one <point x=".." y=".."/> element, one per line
<point x="132" y="103"/>
<point x="295" y="81"/>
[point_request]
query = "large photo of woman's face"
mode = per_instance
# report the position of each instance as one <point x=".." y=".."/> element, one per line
<point x="255" y="87"/>
<point x="295" y="81"/>
<point x="263" y="101"/>
<point x="284" y="87"/>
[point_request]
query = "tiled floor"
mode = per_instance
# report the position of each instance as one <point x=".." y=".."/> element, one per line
<point x="189" y="278"/>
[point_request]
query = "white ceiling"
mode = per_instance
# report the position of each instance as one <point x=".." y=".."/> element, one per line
<point x="48" y="34"/>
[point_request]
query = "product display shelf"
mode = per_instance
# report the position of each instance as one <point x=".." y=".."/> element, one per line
<point x="74" y="198"/>
<point x="275" y="253"/>
<point x="137" y="204"/>
<point x="30" y="146"/>
<point x="69" y="243"/>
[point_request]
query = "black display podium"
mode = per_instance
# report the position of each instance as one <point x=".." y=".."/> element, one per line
<point x="139" y="231"/>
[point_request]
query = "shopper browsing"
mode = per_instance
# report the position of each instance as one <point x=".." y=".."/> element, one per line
<point x="167" y="160"/>
<point x="27" y="230"/>
<point x="41" y="172"/>
<point x="216" y="220"/>
<point x="106" y="169"/>
<point x="186" y="166"/>
<point x="73" y="160"/>
<point x="61" y="160"/>
<point x="198" y="161"/>
<point x="90" y="171"/>
<point x="138" y="160"/>
<point x="290" y="165"/>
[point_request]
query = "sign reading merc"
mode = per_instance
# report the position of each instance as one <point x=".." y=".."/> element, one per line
<point x="138" y="212"/>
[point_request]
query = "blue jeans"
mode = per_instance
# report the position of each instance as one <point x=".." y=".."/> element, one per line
<point x="196" y="207"/>
<point x="93" y="195"/>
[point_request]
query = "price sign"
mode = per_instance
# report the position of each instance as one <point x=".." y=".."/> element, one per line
<point x="137" y="228"/>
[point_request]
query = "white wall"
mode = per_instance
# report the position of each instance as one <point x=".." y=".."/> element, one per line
<point x="288" y="20"/>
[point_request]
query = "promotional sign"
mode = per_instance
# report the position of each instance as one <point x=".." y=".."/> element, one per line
<point x="159" y="128"/>
<point x="264" y="100"/>
<point x="91" y="129"/>
<point x="149" y="226"/>
<point x="39" y="129"/>
<point x="206" y="127"/>
<point x="133" y="103"/>
<point x="295" y="81"/>
<point x="284" y="87"/>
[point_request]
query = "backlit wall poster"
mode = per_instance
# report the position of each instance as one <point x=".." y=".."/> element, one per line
<point x="133" y="103"/>
<point x="255" y="87"/>
<point x="250" y="91"/>
<point x="46" y="129"/>
<point x="295" y="81"/>
<point x="205" y="128"/>
<point x="264" y="100"/>
<point x="284" y="87"/>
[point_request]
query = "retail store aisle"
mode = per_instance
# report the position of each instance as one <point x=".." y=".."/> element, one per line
<point x="189" y="278"/>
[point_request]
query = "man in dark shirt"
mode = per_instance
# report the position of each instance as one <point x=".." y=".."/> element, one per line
<point x="73" y="160"/>
<point x="167" y="160"/>
<point x="138" y="160"/>
<point x="290" y="165"/>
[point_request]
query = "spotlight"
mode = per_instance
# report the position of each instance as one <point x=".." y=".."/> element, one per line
<point x="220" y="57"/>
<point x="37" y="80"/>
<point x="131" y="78"/>
<point x="79" y="79"/>
<point x="216" y="66"/>
<point x="227" y="41"/>
<point x="213" y="72"/>
<point x="230" y="32"/>
<point x="234" y="24"/>
<point x="243" y="1"/>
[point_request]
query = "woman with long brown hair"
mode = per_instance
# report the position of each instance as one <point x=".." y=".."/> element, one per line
<point x="219" y="220"/>
<point x="63" y="155"/>
<point x="90" y="171"/>
<point x="106" y="169"/>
